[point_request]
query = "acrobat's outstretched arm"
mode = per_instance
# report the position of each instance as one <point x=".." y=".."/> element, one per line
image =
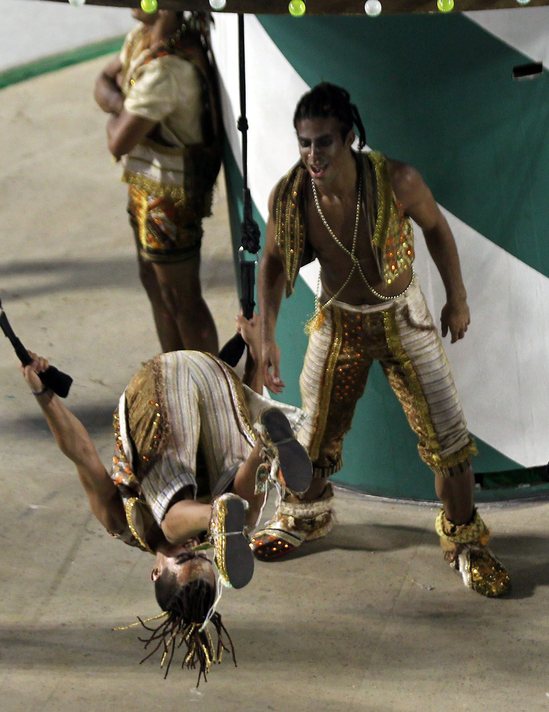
<point x="75" y="443"/>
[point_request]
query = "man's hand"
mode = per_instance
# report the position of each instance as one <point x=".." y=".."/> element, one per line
<point x="30" y="372"/>
<point x="271" y="367"/>
<point x="250" y="330"/>
<point x="455" y="317"/>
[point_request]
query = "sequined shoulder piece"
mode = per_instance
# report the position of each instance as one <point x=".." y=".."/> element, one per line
<point x="383" y="195"/>
<point x="289" y="222"/>
<point x="393" y="238"/>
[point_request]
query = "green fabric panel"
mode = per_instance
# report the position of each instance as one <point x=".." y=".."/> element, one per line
<point x="378" y="460"/>
<point x="58" y="61"/>
<point x="437" y="92"/>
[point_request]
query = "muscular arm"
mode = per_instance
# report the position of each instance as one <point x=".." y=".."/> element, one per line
<point x="185" y="519"/>
<point x="418" y="202"/>
<point x="75" y="443"/>
<point x="272" y="280"/>
<point x="107" y="93"/>
<point x="124" y="130"/>
<point x="250" y="330"/>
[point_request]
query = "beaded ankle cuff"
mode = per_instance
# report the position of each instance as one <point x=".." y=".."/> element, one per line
<point x="465" y="549"/>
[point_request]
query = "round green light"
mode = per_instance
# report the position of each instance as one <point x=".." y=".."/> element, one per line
<point x="445" y="5"/>
<point x="297" y="8"/>
<point x="149" y="6"/>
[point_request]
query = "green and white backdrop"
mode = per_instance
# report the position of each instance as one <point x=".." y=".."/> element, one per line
<point x="435" y="91"/>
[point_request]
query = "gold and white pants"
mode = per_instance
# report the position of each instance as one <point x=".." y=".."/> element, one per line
<point x="401" y="335"/>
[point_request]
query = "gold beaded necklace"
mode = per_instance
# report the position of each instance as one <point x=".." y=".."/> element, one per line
<point x="350" y="253"/>
<point x="315" y="322"/>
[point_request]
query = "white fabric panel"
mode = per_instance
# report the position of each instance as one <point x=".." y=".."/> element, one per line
<point x="524" y="29"/>
<point x="273" y="89"/>
<point x="502" y="366"/>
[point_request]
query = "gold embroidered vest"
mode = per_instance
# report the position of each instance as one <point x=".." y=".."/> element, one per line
<point x="392" y="239"/>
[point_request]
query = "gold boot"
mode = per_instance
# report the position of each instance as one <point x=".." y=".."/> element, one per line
<point x="293" y="523"/>
<point x="465" y="549"/>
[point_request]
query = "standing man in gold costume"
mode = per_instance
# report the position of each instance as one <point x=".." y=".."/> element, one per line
<point x="164" y="125"/>
<point x="352" y="211"/>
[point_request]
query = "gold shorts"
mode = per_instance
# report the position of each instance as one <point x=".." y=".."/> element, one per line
<point x="165" y="231"/>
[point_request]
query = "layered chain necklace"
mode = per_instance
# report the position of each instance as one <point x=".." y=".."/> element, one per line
<point x="350" y="253"/>
<point x="318" y="317"/>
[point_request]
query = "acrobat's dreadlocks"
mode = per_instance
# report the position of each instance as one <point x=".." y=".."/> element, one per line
<point x="328" y="100"/>
<point x="185" y="610"/>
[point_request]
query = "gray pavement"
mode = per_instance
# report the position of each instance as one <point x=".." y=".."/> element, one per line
<point x="367" y="619"/>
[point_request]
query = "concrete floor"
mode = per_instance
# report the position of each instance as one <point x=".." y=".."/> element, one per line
<point x="368" y="619"/>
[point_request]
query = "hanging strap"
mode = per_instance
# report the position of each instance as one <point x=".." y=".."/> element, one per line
<point x="249" y="229"/>
<point x="232" y="351"/>
<point x="250" y="234"/>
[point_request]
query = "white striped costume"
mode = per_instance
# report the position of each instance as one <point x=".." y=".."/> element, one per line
<point x="175" y="403"/>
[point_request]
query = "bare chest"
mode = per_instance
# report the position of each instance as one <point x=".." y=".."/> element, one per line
<point x="339" y="231"/>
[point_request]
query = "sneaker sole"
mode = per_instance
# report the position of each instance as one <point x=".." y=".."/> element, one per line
<point x="294" y="462"/>
<point x="239" y="560"/>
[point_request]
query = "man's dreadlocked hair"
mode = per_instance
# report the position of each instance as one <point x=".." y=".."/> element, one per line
<point x="330" y="101"/>
<point x="186" y="608"/>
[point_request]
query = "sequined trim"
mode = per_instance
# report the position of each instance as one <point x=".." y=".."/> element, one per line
<point x="475" y="532"/>
<point x="150" y="186"/>
<point x="289" y="228"/>
<point x="124" y="478"/>
<point x="429" y="451"/>
<point x="176" y="193"/>
<point x="121" y="472"/>
<point x="129" y="506"/>
<point x="217" y="534"/>
<point x="139" y="198"/>
<point x="393" y="235"/>
<point x="326" y="386"/>
<point x="145" y="404"/>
